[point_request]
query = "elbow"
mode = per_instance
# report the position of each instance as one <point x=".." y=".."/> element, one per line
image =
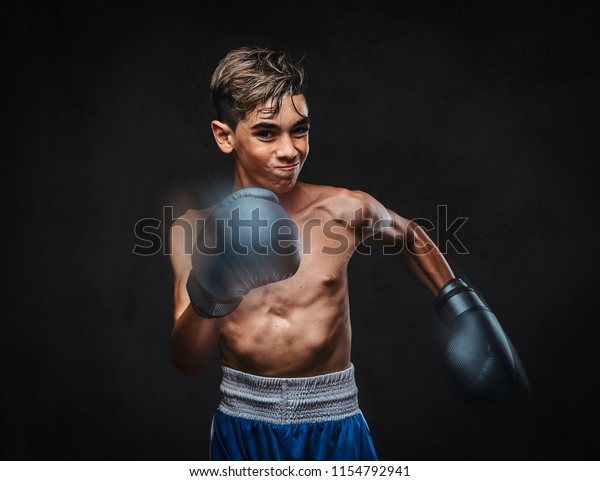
<point x="185" y="368"/>
<point x="192" y="344"/>
<point x="189" y="369"/>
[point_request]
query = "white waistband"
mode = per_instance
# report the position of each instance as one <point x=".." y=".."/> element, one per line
<point x="276" y="400"/>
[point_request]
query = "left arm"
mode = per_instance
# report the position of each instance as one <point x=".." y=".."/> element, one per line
<point x="417" y="249"/>
<point x="479" y="362"/>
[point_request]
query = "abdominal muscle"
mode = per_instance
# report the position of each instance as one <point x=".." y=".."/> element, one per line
<point x="293" y="328"/>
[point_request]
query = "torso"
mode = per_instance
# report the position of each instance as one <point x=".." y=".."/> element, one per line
<point x="300" y="326"/>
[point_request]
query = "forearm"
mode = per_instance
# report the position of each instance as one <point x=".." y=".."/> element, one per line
<point x="193" y="342"/>
<point x="425" y="259"/>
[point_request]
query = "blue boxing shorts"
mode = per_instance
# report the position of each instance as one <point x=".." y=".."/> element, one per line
<point x="290" y="419"/>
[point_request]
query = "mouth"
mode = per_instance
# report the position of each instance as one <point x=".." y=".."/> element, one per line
<point x="286" y="168"/>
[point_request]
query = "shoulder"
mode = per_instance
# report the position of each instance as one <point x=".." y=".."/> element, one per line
<point x="191" y="215"/>
<point x="187" y="222"/>
<point x="337" y="195"/>
<point x="183" y="232"/>
<point x="347" y="203"/>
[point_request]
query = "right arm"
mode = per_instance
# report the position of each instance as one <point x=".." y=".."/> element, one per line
<point x="194" y="338"/>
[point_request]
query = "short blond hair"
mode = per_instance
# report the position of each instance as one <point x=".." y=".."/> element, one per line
<point x="249" y="77"/>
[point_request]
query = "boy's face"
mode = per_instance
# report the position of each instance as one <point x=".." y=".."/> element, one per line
<point x="270" y="152"/>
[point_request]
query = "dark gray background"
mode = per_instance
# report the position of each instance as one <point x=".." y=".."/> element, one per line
<point x="489" y="108"/>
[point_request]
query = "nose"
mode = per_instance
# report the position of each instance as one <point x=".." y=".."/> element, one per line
<point x="286" y="150"/>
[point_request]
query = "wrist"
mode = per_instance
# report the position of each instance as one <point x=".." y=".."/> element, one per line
<point x="455" y="298"/>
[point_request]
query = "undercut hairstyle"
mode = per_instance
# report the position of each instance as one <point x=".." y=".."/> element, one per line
<point x="248" y="78"/>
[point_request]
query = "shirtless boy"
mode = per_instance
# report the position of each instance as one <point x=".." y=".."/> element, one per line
<point x="284" y="335"/>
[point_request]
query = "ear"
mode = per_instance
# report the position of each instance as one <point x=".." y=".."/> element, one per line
<point x="223" y="136"/>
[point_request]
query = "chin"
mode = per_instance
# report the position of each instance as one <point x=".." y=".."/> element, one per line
<point x="281" y="190"/>
<point x="282" y="186"/>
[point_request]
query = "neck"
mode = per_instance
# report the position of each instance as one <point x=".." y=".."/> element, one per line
<point x="286" y="199"/>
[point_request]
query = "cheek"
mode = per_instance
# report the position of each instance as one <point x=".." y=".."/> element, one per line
<point x="305" y="148"/>
<point x="254" y="150"/>
<point x="300" y="143"/>
<point x="257" y="157"/>
<point x="262" y="153"/>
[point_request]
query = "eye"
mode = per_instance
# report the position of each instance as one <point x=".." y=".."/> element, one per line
<point x="300" y="131"/>
<point x="264" y="134"/>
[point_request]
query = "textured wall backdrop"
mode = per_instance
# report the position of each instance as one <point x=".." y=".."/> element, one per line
<point x="489" y="109"/>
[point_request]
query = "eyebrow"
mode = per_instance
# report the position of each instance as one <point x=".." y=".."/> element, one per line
<point x="273" y="126"/>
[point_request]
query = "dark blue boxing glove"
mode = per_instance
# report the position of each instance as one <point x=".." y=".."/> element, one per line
<point x="248" y="241"/>
<point x="478" y="361"/>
